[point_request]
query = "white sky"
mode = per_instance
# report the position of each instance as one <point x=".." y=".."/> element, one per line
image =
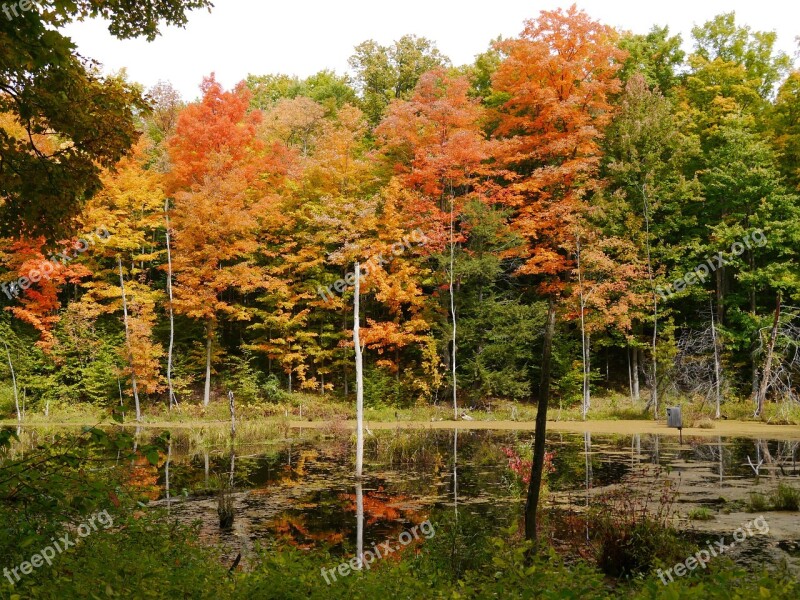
<point x="301" y="37"/>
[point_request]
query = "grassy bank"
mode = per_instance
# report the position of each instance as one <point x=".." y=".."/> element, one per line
<point x="297" y="408"/>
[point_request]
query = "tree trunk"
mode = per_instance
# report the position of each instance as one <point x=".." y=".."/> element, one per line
<point x="173" y="401"/>
<point x="584" y="339"/>
<point x="128" y="340"/>
<point x="207" y="392"/>
<point x="453" y="314"/>
<point x="762" y="391"/>
<point x="654" y="391"/>
<point x="537" y="466"/>
<point x="232" y="408"/>
<point x="636" y="395"/>
<point x="717" y="373"/>
<point x="630" y="374"/>
<point x="14" y="383"/>
<point x="359" y="376"/>
<point x="587" y="370"/>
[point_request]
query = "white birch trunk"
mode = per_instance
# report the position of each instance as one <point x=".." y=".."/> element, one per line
<point x="584" y="341"/>
<point x="453" y="313"/>
<point x="173" y="401"/>
<point x="359" y="376"/>
<point x="207" y="392"/>
<point x="128" y="341"/>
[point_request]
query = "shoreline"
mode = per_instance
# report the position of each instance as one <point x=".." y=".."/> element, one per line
<point x="724" y="428"/>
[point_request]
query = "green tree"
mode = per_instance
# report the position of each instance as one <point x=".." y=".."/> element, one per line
<point x="656" y="55"/>
<point x="383" y="73"/>
<point x="786" y="128"/>
<point x="48" y="92"/>
<point x="325" y="87"/>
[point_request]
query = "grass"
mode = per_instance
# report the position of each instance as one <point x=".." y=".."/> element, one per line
<point x="314" y="407"/>
<point x="701" y="513"/>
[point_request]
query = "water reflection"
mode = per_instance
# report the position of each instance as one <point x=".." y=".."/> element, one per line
<point x="302" y="491"/>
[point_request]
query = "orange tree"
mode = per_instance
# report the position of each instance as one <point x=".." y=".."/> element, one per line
<point x="555" y="81"/>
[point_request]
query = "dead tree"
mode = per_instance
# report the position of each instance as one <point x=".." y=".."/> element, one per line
<point x="781" y="358"/>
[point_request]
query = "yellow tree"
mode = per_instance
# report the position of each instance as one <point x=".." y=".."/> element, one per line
<point x="130" y="209"/>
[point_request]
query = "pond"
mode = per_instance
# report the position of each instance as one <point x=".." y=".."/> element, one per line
<point x="301" y="490"/>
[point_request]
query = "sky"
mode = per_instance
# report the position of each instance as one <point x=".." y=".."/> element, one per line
<point x="301" y="37"/>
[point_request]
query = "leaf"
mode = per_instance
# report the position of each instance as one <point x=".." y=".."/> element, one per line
<point x="152" y="456"/>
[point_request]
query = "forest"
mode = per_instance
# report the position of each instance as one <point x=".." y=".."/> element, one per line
<point x="640" y="194"/>
<point x="584" y="223"/>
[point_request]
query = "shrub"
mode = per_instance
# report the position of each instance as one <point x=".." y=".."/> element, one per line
<point x="757" y="502"/>
<point x="785" y="497"/>
<point x="632" y="526"/>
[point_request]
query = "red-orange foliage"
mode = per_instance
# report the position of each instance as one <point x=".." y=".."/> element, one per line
<point x="214" y="135"/>
<point x="39" y="304"/>
<point x="558" y="76"/>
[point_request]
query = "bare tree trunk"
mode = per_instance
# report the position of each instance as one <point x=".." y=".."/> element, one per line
<point x="630" y="374"/>
<point x="232" y="407"/>
<point x="537" y="466"/>
<point x="587" y="371"/>
<point x="636" y="394"/>
<point x="207" y="391"/>
<point x="584" y="340"/>
<point x="359" y="375"/>
<point x="128" y="340"/>
<point x="654" y="391"/>
<point x="453" y="313"/>
<point x="121" y="401"/>
<point x="716" y="361"/>
<point x="14" y="383"/>
<point x="762" y="391"/>
<point x="173" y="401"/>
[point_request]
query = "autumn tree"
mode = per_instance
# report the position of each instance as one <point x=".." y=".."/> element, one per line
<point x="785" y="122"/>
<point x="558" y="76"/>
<point x="130" y="208"/>
<point x="215" y="154"/>
<point x="438" y="151"/>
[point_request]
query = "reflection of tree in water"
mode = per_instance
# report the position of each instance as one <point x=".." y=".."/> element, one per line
<point x="775" y="457"/>
<point x="144" y="478"/>
<point x="386" y="515"/>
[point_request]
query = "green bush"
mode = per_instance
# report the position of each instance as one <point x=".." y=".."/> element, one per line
<point x="785" y="497"/>
<point x="757" y="502"/>
<point x="382" y="389"/>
